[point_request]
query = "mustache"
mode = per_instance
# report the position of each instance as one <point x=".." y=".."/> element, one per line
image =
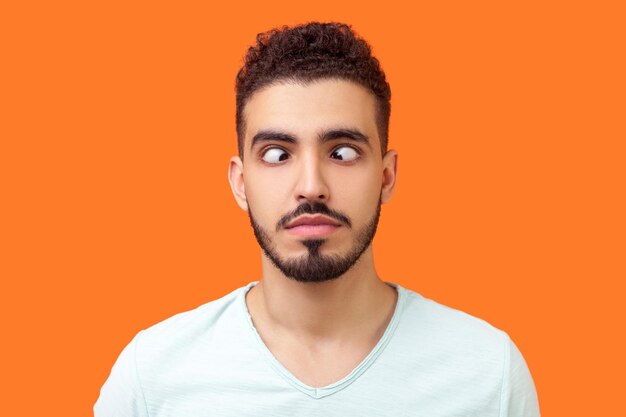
<point x="313" y="208"/>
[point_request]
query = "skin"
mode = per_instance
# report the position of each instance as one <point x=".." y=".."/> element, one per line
<point x="318" y="331"/>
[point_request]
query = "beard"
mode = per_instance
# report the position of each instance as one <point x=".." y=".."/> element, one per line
<point x="314" y="267"/>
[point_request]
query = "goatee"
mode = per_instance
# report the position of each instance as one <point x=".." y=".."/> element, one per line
<point x="313" y="266"/>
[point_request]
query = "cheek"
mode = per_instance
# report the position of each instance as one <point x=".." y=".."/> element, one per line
<point x="358" y="191"/>
<point x="360" y="182"/>
<point x="266" y="195"/>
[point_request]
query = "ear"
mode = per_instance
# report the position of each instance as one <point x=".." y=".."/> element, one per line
<point x="390" y="173"/>
<point x="237" y="184"/>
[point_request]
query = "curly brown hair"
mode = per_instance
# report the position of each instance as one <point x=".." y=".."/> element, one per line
<point x="309" y="52"/>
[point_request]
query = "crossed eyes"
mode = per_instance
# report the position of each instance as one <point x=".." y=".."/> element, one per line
<point x="276" y="155"/>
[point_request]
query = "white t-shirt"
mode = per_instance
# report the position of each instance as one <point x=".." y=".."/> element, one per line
<point x="432" y="361"/>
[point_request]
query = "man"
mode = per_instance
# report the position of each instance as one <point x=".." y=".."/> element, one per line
<point x="320" y="334"/>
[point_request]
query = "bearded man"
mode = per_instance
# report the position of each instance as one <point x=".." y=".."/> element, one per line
<point x="320" y="334"/>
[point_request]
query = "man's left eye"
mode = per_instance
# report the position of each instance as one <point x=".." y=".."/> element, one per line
<point x="345" y="153"/>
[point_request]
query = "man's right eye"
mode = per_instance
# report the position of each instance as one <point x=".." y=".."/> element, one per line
<point x="274" y="155"/>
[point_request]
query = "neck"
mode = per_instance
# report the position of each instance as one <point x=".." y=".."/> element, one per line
<point x="351" y="304"/>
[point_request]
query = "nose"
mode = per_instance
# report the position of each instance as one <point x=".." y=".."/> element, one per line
<point x="311" y="182"/>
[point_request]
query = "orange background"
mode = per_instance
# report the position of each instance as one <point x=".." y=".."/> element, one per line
<point x="118" y="122"/>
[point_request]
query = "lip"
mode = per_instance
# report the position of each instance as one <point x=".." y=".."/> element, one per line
<point x="312" y="220"/>
<point x="312" y="226"/>
<point x="312" y="230"/>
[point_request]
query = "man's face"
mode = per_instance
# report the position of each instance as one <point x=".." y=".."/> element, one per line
<point x="313" y="176"/>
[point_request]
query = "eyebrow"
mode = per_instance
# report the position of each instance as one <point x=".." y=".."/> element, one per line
<point x="324" y="135"/>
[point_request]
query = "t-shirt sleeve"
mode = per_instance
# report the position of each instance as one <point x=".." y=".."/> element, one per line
<point x="121" y="394"/>
<point x="519" y="397"/>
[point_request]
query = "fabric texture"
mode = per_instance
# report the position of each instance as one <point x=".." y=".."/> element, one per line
<point x="431" y="361"/>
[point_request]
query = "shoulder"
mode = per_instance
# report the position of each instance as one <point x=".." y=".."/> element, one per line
<point x="426" y="315"/>
<point x="183" y="329"/>
<point x="434" y="333"/>
<point x="156" y="355"/>
<point x="170" y="351"/>
<point x="465" y="352"/>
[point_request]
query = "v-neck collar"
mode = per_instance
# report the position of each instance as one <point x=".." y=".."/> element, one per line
<point x="348" y="379"/>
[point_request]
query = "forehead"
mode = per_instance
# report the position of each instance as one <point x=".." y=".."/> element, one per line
<point x="302" y="109"/>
